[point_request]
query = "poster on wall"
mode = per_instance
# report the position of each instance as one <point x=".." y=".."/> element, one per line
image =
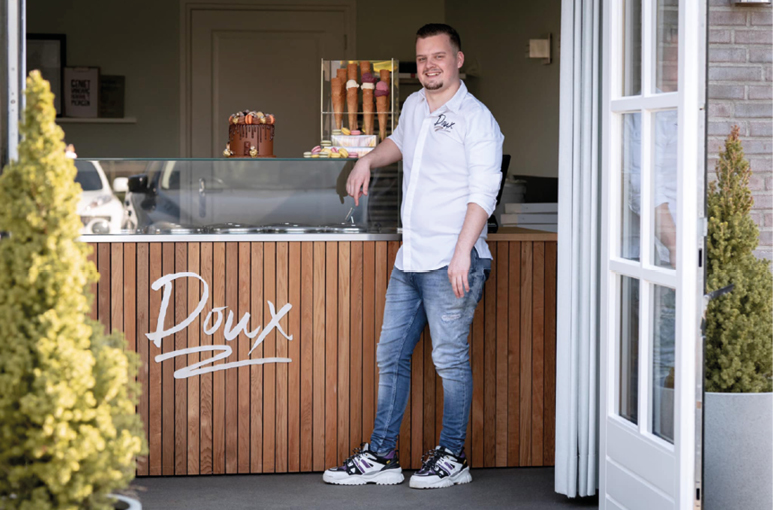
<point x="81" y="91"/>
<point x="46" y="53"/>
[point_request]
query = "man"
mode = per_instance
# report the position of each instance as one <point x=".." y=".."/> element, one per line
<point x="451" y="148"/>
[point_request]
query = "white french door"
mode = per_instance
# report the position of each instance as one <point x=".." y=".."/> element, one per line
<point x="653" y="107"/>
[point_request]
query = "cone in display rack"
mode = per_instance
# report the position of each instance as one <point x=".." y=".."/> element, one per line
<point x="367" y="108"/>
<point x="364" y="67"/>
<point x="382" y="102"/>
<point x="351" y="71"/>
<point x="337" y="95"/>
<point x="351" y="101"/>
<point x="341" y="73"/>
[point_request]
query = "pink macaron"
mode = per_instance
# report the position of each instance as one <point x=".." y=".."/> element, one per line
<point x="316" y="149"/>
<point x="356" y="132"/>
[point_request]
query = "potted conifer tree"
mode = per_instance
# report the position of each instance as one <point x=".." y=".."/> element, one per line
<point x="738" y="408"/>
<point x="69" y="434"/>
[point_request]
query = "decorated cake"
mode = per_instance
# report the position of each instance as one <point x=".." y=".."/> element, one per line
<point x="250" y="135"/>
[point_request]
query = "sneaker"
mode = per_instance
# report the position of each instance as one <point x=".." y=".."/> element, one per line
<point x="364" y="466"/>
<point x="441" y="468"/>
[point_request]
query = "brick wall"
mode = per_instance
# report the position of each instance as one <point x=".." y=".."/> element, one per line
<point x="741" y="92"/>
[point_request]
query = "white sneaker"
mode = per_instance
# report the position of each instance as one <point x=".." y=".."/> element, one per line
<point x="441" y="468"/>
<point x="365" y="467"/>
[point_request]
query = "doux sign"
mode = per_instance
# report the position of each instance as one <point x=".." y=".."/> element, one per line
<point x="229" y="332"/>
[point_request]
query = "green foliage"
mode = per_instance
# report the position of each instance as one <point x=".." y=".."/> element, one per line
<point x="739" y="334"/>
<point x="69" y="434"/>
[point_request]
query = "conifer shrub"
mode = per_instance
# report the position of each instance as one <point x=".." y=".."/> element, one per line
<point x="69" y="434"/>
<point x="739" y="327"/>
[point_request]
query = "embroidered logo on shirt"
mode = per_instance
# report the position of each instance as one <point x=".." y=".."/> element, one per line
<point x="441" y="123"/>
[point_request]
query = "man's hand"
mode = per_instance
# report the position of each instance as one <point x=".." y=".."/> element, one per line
<point x="358" y="178"/>
<point x="458" y="270"/>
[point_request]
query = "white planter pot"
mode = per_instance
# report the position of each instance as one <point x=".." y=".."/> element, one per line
<point x="738" y="451"/>
<point x="131" y="504"/>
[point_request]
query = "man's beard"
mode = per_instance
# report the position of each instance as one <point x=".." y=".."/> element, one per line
<point x="434" y="86"/>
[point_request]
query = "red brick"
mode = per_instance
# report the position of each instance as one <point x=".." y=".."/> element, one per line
<point x="761" y="92"/>
<point x="723" y="73"/>
<point x="760" y="55"/>
<point x="717" y="91"/>
<point x="718" y="18"/>
<point x="762" y="18"/>
<point x="720" y="36"/>
<point x="720" y="110"/>
<point x="722" y="54"/>
<point x="763" y="201"/>
<point x="753" y="37"/>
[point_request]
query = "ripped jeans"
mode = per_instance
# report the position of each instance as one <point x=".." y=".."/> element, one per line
<point x="412" y="300"/>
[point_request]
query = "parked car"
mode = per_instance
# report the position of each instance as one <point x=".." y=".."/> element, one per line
<point x="100" y="210"/>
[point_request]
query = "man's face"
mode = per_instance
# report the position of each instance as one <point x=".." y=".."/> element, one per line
<point x="437" y="62"/>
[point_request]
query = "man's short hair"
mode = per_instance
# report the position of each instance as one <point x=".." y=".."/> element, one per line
<point x="432" y="29"/>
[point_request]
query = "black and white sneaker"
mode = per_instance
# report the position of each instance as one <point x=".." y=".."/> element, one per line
<point x="365" y="467"/>
<point x="441" y="468"/>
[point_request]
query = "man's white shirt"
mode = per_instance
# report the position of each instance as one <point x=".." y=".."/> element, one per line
<point x="451" y="157"/>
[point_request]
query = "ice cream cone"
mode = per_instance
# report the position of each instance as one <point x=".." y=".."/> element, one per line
<point x="341" y="73"/>
<point x="364" y="67"/>
<point x="351" y="99"/>
<point x="382" y="106"/>
<point x="367" y="110"/>
<point x="384" y="75"/>
<point x="351" y="71"/>
<point x="337" y="95"/>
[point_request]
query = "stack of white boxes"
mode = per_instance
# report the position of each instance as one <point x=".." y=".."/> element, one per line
<point x="536" y="216"/>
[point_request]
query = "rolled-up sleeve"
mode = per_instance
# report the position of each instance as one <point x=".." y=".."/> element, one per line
<point x="483" y="149"/>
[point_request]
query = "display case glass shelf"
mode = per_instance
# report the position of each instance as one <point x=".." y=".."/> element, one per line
<point x="233" y="196"/>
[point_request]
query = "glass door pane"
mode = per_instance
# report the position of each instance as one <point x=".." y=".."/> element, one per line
<point x="667" y="51"/>
<point x="628" y="384"/>
<point x="632" y="47"/>
<point x="631" y="183"/>
<point x="663" y="352"/>
<point x="665" y="137"/>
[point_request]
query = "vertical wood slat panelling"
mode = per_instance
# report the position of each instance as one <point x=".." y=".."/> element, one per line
<point x="307" y="415"/>
<point x="244" y="345"/>
<point x="180" y="342"/>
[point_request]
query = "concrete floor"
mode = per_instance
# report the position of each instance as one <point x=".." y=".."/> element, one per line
<point x="518" y="488"/>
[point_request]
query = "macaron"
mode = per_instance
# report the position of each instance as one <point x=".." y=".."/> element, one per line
<point x="356" y="132"/>
<point x="315" y="155"/>
<point x="343" y="152"/>
<point x="337" y="132"/>
<point x="335" y="155"/>
<point x="316" y="149"/>
<point x="334" y="149"/>
<point x="326" y="143"/>
<point x="345" y="131"/>
<point x="307" y="154"/>
<point x="326" y="150"/>
<point x="324" y="155"/>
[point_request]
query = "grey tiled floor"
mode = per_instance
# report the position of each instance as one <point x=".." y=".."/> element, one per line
<point x="518" y="488"/>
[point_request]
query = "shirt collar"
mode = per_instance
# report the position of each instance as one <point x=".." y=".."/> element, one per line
<point x="452" y="104"/>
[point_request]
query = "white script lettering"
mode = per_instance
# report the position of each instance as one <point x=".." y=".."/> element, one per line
<point x="229" y="333"/>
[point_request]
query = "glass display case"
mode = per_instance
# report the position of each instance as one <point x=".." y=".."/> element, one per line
<point x="234" y="196"/>
<point x="352" y="100"/>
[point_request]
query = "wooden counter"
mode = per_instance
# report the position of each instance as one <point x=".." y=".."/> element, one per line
<point x="307" y="415"/>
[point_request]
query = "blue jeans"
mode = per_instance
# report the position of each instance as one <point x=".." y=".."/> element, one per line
<point x="412" y="300"/>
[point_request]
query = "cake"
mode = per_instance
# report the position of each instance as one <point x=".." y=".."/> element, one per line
<point x="250" y="135"/>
